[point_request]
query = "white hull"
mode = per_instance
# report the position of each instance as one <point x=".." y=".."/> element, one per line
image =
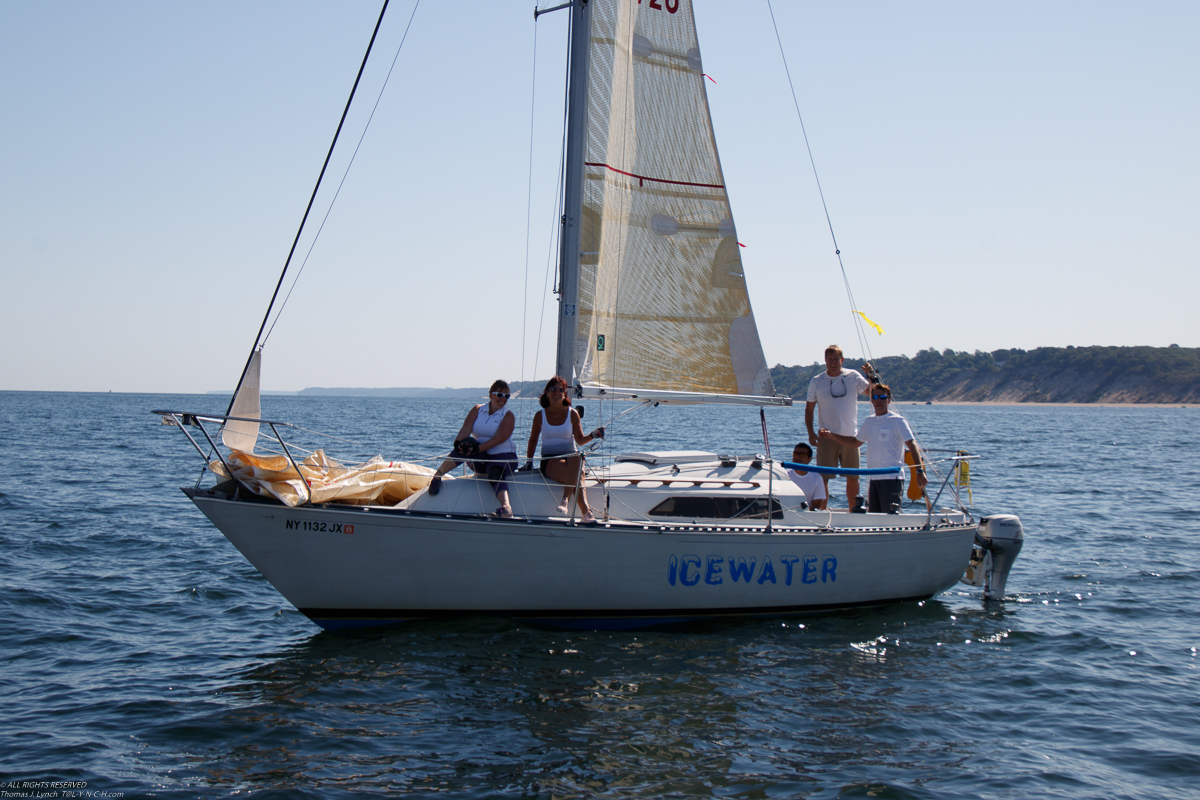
<point x="351" y="566"/>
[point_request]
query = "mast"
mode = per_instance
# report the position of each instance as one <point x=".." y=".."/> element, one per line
<point x="573" y="190"/>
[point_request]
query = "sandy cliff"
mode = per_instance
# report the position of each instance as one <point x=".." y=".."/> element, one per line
<point x="1063" y="386"/>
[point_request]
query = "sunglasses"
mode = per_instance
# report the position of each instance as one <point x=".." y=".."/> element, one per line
<point x="881" y="397"/>
<point x="555" y="391"/>
<point x="502" y="395"/>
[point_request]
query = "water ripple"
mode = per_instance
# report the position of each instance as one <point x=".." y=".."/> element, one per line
<point x="143" y="654"/>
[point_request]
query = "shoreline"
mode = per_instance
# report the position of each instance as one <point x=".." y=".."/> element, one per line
<point x="1018" y="403"/>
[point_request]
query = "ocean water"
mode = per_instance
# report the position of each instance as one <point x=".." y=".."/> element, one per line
<point x="143" y="656"/>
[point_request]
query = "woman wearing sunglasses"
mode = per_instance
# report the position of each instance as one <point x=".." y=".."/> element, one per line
<point x="559" y="428"/>
<point x="485" y="438"/>
<point x="885" y="434"/>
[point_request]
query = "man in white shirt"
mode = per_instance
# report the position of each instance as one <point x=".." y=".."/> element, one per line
<point x="885" y="434"/>
<point x="810" y="483"/>
<point x="835" y="393"/>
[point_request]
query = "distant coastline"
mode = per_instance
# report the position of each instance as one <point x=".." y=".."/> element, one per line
<point x="398" y="391"/>
<point x="1013" y="404"/>
<point x="478" y="393"/>
<point x="1049" y="375"/>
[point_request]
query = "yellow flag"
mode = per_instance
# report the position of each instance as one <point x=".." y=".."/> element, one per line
<point x="869" y="322"/>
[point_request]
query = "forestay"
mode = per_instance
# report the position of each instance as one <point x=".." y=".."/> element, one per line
<point x="663" y="304"/>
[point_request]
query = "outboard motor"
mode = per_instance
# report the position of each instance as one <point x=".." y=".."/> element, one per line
<point x="997" y="543"/>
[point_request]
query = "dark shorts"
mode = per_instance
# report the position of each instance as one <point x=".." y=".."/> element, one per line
<point x="497" y="468"/>
<point x="883" y="497"/>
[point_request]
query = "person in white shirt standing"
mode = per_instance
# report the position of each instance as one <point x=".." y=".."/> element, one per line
<point x="809" y="482"/>
<point x="885" y="434"/>
<point x="835" y="394"/>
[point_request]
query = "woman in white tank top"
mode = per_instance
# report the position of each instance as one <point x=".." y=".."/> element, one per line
<point x="491" y="425"/>
<point x="558" y="426"/>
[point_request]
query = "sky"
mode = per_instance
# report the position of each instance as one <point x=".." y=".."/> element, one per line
<point x="998" y="175"/>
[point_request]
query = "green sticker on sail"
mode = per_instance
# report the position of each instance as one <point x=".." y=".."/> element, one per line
<point x="600" y="342"/>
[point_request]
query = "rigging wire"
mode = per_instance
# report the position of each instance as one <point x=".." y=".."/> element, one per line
<point x="311" y="200"/>
<point x="762" y="415"/>
<point x="549" y="281"/>
<point x="345" y="175"/>
<point x="566" y="120"/>
<point x="555" y="225"/>
<point x="556" y="222"/>
<point x="862" y="340"/>
<point x="529" y="203"/>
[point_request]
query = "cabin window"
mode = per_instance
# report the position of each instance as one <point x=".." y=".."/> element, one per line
<point x="717" y="508"/>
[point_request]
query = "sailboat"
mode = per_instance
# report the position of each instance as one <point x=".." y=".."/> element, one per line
<point x="654" y="308"/>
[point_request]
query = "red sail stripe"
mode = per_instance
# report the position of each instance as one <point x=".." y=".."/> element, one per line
<point x="642" y="178"/>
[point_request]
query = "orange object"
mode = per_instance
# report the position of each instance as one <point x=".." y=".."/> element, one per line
<point x="914" y="489"/>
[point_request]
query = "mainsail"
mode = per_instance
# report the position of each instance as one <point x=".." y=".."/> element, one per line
<point x="662" y="302"/>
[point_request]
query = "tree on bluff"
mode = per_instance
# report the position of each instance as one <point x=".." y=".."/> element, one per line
<point x="921" y="377"/>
